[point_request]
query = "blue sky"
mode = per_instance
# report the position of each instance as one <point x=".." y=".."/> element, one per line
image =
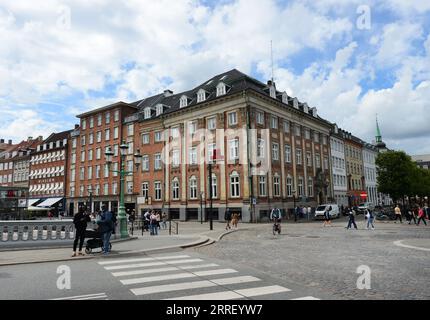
<point x="60" y="58"/>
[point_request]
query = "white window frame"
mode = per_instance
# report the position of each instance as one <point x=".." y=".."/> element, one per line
<point x="193" y="187"/>
<point x="275" y="151"/>
<point x="262" y="190"/>
<point x="234" y="185"/>
<point x="232" y="118"/>
<point x="233" y="149"/>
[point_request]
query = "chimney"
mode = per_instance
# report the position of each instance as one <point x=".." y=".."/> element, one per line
<point x="269" y="83"/>
<point x="9" y="142"/>
<point x="30" y="138"/>
<point x="76" y="126"/>
<point x="1" y="140"/>
<point x="40" y="138"/>
<point x="168" y="93"/>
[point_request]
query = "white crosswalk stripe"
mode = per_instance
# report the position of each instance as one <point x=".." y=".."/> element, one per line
<point x="94" y="296"/>
<point x="165" y="274"/>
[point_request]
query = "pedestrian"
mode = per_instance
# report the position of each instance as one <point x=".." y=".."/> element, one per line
<point x="421" y="216"/>
<point x="235" y="220"/>
<point x="80" y="221"/>
<point x="106" y="224"/>
<point x="369" y="217"/>
<point x="164" y="220"/>
<point x="343" y="210"/>
<point x="147" y="220"/>
<point x="412" y="215"/>
<point x="351" y="221"/>
<point x="327" y="220"/>
<point x="158" y="217"/>
<point x="227" y="218"/>
<point x="153" y="224"/>
<point x="428" y="212"/>
<point x="398" y="213"/>
<point x="50" y="215"/>
<point x="296" y="213"/>
<point x="309" y="212"/>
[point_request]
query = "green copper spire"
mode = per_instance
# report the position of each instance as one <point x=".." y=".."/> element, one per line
<point x="378" y="131"/>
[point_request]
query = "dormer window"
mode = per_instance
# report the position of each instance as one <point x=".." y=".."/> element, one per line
<point x="220" y="89"/>
<point x="284" y="98"/>
<point x="183" y="102"/>
<point x="305" y="108"/>
<point x="201" y="95"/>
<point x="158" y="109"/>
<point x="147" y="113"/>
<point x="296" y="103"/>
<point x="273" y="91"/>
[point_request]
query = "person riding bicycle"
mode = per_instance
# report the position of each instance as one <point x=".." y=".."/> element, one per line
<point x="275" y="215"/>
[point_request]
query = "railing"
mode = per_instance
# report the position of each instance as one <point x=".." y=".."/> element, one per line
<point x="139" y="225"/>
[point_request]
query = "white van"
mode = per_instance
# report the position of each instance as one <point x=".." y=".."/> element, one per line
<point x="334" y="213"/>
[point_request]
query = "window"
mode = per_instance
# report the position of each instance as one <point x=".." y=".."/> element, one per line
<point x="193" y="155"/>
<point x="286" y="126"/>
<point x="193" y="187"/>
<point x="84" y="124"/>
<point x="73" y="161"/>
<point x="175" y="189"/>
<point x="81" y="191"/>
<point x="99" y="120"/>
<point x="82" y="156"/>
<point x="107" y="134"/>
<point x="214" y="186"/>
<point x="234" y="185"/>
<point x="232" y="118"/>
<point x="98" y="169"/>
<point x="300" y="186"/>
<point x="157" y="185"/>
<point x="114" y="188"/>
<point x="158" y="109"/>
<point x="310" y="187"/>
<point x="297" y="130"/>
<point x="317" y="160"/>
<point x="289" y="186"/>
<point x="274" y="122"/>
<point x="325" y="163"/>
<point x="82" y="173"/>
<point x="130" y="166"/>
<point x="106" y="189"/>
<point x="211" y="123"/>
<point x="74" y="143"/>
<point x="130" y="149"/>
<point x="73" y="175"/>
<point x="260" y="117"/>
<point x="91" y="122"/>
<point x="324" y="140"/>
<point x="201" y="95"/>
<point x="147" y="113"/>
<point x="83" y="140"/>
<point x="106" y="171"/>
<point x="260" y="148"/>
<point x="72" y="191"/>
<point x="130" y="129"/>
<point x="145" y="138"/>
<point x="145" y="163"/>
<point x="192" y="127"/>
<point x="107" y="117"/>
<point x="175" y="132"/>
<point x="97" y="190"/>
<point x="91" y="138"/>
<point x="99" y="136"/>
<point x="145" y="190"/>
<point x="183" y="102"/>
<point x="309" y="159"/>
<point x="299" y="156"/>
<point x="116" y="133"/>
<point x="158" y="136"/>
<point x="275" y="151"/>
<point x="276" y="185"/>
<point x="116" y="115"/>
<point x="307" y="134"/>
<point x="130" y="187"/>
<point x="98" y="153"/>
<point x="220" y="89"/>
<point x="234" y="149"/>
<point x="157" y="161"/>
<point x="287" y="154"/>
<point x="262" y="186"/>
<point x="175" y="158"/>
<point x="211" y="148"/>
<point x="316" y="137"/>
<point x="90" y="172"/>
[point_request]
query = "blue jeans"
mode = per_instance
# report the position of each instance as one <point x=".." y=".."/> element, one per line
<point x="106" y="240"/>
<point x="370" y="222"/>
<point x="154" y="229"/>
<point x="350" y="223"/>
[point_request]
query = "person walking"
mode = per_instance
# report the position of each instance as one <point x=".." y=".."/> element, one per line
<point x="412" y="215"/>
<point x="164" y="220"/>
<point x="327" y="220"/>
<point x="296" y="213"/>
<point x="369" y="217"/>
<point x="153" y="224"/>
<point x="309" y="212"/>
<point x="428" y="212"/>
<point x="351" y="221"/>
<point x="106" y="226"/>
<point x="158" y="218"/>
<point x="421" y="216"/>
<point x="234" y="220"/>
<point x="147" y="220"/>
<point x="80" y="221"/>
<point x="398" y="213"/>
<point x="227" y="218"/>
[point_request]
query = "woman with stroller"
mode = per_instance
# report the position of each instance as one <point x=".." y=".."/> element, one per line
<point x="80" y="221"/>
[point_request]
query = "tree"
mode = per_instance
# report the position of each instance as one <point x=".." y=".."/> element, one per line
<point x="396" y="173"/>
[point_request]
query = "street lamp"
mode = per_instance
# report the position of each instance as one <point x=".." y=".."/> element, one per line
<point x="123" y="173"/>
<point x="294" y="206"/>
<point x="202" y="195"/>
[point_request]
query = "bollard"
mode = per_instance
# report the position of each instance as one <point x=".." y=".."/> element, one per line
<point x="44" y="233"/>
<point x="54" y="232"/>
<point x="15" y="236"/>
<point x="5" y="236"/>
<point x="35" y="233"/>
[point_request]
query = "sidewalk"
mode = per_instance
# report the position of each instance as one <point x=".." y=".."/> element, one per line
<point x="190" y="234"/>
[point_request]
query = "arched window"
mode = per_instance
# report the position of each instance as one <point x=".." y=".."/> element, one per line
<point x="193" y="187"/>
<point x="234" y="184"/>
<point x="175" y="189"/>
<point x="147" y="113"/>
<point x="183" y="102"/>
<point x="201" y="95"/>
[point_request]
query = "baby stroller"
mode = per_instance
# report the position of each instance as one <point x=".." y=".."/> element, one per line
<point x="95" y="241"/>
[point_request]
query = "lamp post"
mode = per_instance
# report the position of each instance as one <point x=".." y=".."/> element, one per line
<point x="294" y="206"/>
<point x="123" y="173"/>
<point x="202" y="195"/>
<point x="90" y="192"/>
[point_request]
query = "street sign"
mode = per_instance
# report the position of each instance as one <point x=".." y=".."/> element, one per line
<point x="363" y="195"/>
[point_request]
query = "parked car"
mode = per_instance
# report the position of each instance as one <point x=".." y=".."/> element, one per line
<point x="362" y="207"/>
<point x="334" y="213"/>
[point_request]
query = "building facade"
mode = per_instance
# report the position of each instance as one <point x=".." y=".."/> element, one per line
<point x="354" y="169"/>
<point x="370" y="152"/>
<point x="338" y="163"/>
<point x="422" y="161"/>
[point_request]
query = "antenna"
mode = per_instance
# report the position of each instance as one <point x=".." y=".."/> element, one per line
<point x="271" y="57"/>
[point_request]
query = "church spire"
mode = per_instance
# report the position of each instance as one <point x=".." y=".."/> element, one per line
<point x="378" y="131"/>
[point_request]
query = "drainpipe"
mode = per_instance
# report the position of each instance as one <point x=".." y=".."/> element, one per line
<point x="248" y="128"/>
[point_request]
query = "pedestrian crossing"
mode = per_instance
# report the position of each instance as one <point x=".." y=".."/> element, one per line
<point x="93" y="296"/>
<point x="183" y="277"/>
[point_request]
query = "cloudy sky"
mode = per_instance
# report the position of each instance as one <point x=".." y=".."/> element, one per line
<point x="350" y="59"/>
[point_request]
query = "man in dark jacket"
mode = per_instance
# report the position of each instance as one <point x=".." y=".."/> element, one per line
<point x="227" y="218"/>
<point x="80" y="221"/>
<point x="106" y="226"/>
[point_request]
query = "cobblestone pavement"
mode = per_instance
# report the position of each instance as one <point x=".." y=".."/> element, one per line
<point x="327" y="258"/>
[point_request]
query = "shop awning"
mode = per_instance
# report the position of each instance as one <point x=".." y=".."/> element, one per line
<point x="49" y="202"/>
<point x="32" y="201"/>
